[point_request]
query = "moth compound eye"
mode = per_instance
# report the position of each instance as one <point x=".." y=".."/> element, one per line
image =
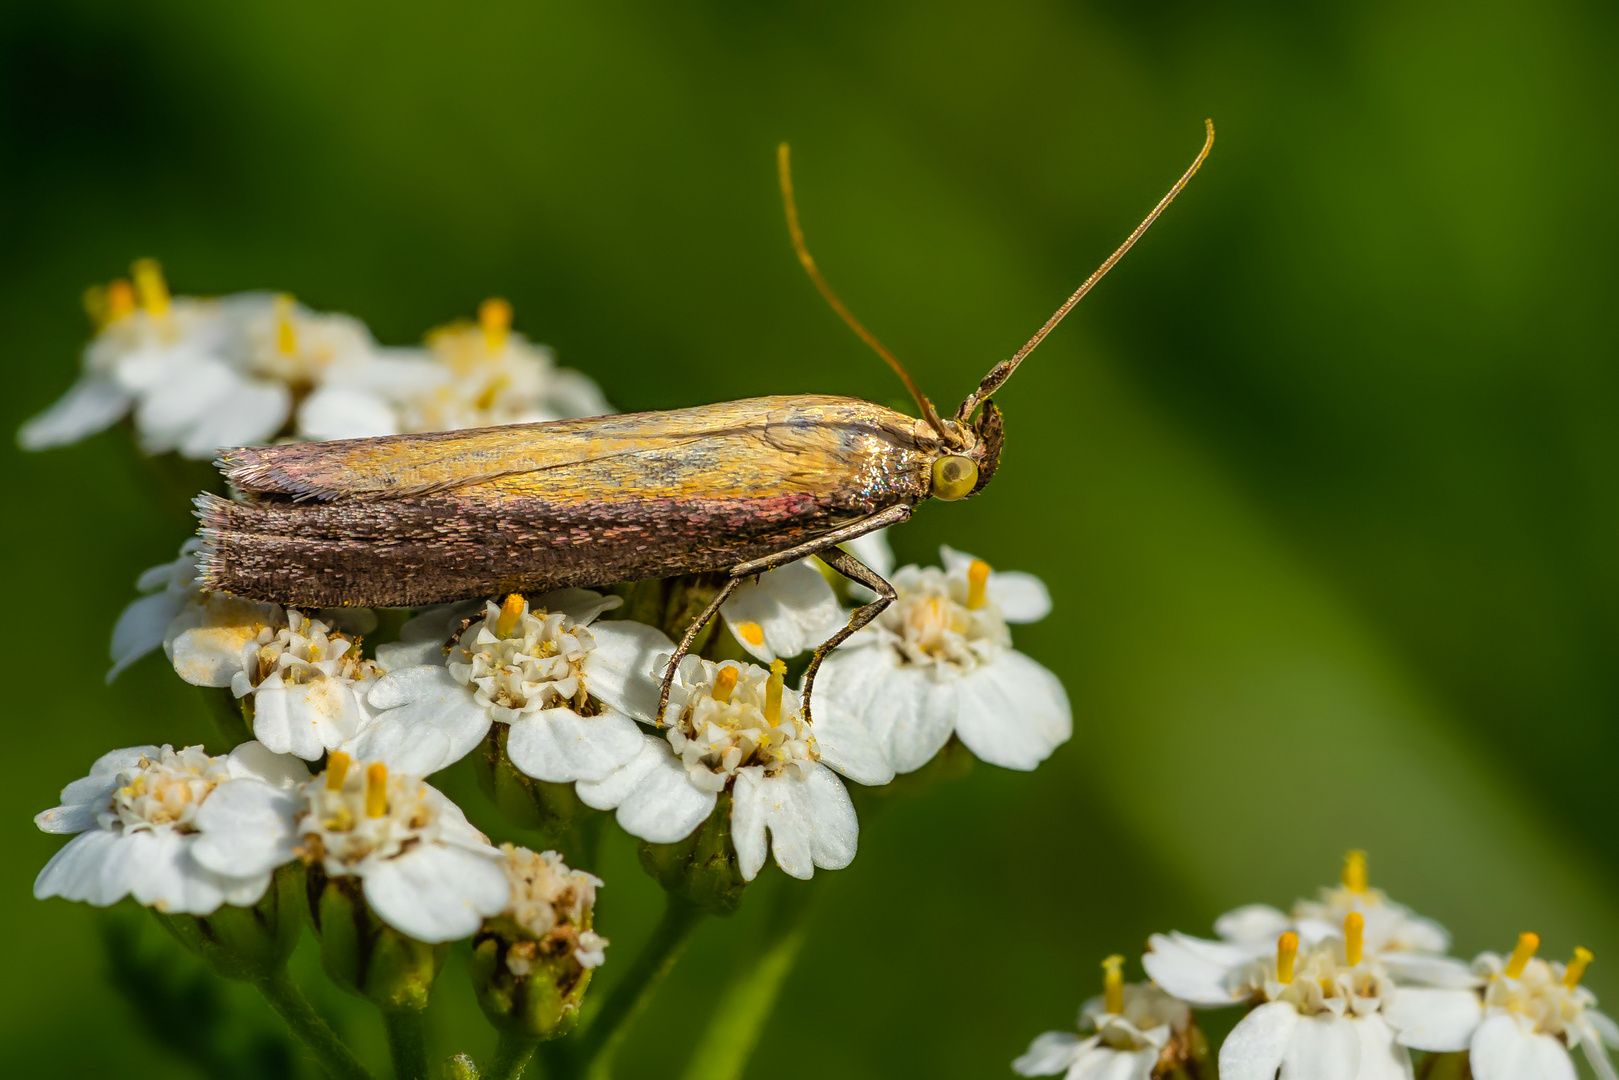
<point x="954" y="478"/>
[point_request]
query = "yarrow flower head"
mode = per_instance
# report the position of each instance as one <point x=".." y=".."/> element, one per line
<point x="939" y="661"/>
<point x="424" y="870"/>
<point x="178" y="830"/>
<point x="1520" y="1021"/>
<point x="784" y="612"/>
<point x="565" y="686"/>
<point x="197" y="374"/>
<point x="1136" y="1032"/>
<point x="738" y="727"/>
<point x="553" y="907"/>
<point x="308" y="683"/>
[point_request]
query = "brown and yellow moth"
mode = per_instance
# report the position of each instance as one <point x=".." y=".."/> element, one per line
<point x="739" y="487"/>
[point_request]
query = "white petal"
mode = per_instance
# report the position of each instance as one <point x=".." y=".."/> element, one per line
<point x="1050" y="1053"/>
<point x="654" y="799"/>
<point x="252" y="413"/>
<point x="1256" y="1046"/>
<point x="140" y="628"/>
<point x="1506" y="1049"/>
<point x="559" y="746"/>
<point x="436" y="893"/>
<point x="784" y="612"/>
<point x="1196" y="971"/>
<point x="177" y="392"/>
<point x="619" y="671"/>
<point x="848" y="747"/>
<point x="211" y="654"/>
<point x="423" y="721"/>
<point x="1252" y="923"/>
<point x="246" y="828"/>
<point x="909" y="714"/>
<point x="1013" y="712"/>
<point x="89" y="406"/>
<point x="162" y="874"/>
<point x="91" y="792"/>
<point x="75" y="872"/>
<point x="345" y="412"/>
<point x="1604" y="1026"/>
<point x="1381" y="1058"/>
<point x="306" y="719"/>
<point x="1595" y="1052"/>
<point x="254" y="761"/>
<point x="749" y="824"/>
<point x="1439" y="1020"/>
<point x="394" y="655"/>
<point x="812" y="821"/>
<point x="582" y="605"/>
<point x="1426" y="969"/>
<point x="1021" y="598"/>
<point x="1320" y="1047"/>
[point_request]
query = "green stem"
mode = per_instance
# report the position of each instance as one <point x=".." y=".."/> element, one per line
<point x="511" y="1058"/>
<point x="634" y="990"/>
<point x="229" y="715"/>
<point x="738" y="1020"/>
<point x="306" y="1025"/>
<point x="407" y="1044"/>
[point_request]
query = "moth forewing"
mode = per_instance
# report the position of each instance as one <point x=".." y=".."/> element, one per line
<point x="411" y="520"/>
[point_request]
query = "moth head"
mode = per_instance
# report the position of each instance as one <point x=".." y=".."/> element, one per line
<point x="968" y="467"/>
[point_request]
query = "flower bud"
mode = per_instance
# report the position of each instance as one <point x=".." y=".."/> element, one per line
<point x="364" y="955"/>
<point x="247" y="943"/>
<point x="702" y="868"/>
<point x="532" y="963"/>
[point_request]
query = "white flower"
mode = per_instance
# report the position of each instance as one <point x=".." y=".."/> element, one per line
<point x="737" y="726"/>
<point x="308" y="684"/>
<point x="1132" y="1025"/>
<point x="177" y="830"/>
<point x="566" y="685"/>
<point x="144" y="624"/>
<point x="1210" y="974"/>
<point x="487" y="375"/>
<point x="939" y="661"/>
<point x="554" y="906"/>
<point x="424" y="870"/>
<point x="198" y="374"/>
<point x="784" y="612"/>
<point x="365" y="395"/>
<point x="1321" y="1017"/>
<point x="1519" y="1024"/>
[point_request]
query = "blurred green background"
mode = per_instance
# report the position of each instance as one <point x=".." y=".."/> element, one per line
<point x="1322" y="478"/>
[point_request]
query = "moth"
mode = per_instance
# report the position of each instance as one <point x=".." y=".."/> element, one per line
<point x="739" y="487"/>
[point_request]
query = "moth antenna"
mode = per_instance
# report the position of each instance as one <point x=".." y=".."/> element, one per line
<point x="784" y="169"/>
<point x="1003" y="371"/>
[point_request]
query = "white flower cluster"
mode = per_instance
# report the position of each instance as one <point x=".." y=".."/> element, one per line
<point x="554" y="907"/>
<point x="577" y="694"/>
<point x="199" y="374"/>
<point x="1341" y="988"/>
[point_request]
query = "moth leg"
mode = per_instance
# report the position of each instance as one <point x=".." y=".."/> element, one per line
<point x="852" y="531"/>
<point x="856" y="571"/>
<point x="730" y="586"/>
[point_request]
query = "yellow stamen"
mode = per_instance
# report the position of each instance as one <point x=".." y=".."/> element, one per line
<point x="724" y="683"/>
<point x="1287" y="953"/>
<point x="752" y="633"/>
<point x="773" y="692"/>
<point x="120" y="299"/>
<point x="1354" y="937"/>
<point x="1576" y="967"/>
<point x="286" y="334"/>
<point x="149" y="284"/>
<point x="495" y="317"/>
<point x="1355" y="871"/>
<point x="977" y="578"/>
<point x="337" y="770"/>
<point x="1528" y="945"/>
<point x="1113" y="984"/>
<point x="376" y="789"/>
<point x="511" y="609"/>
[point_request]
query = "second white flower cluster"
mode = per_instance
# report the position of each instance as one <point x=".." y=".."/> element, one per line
<point x="195" y="374"/>
<point x="1344" y="987"/>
